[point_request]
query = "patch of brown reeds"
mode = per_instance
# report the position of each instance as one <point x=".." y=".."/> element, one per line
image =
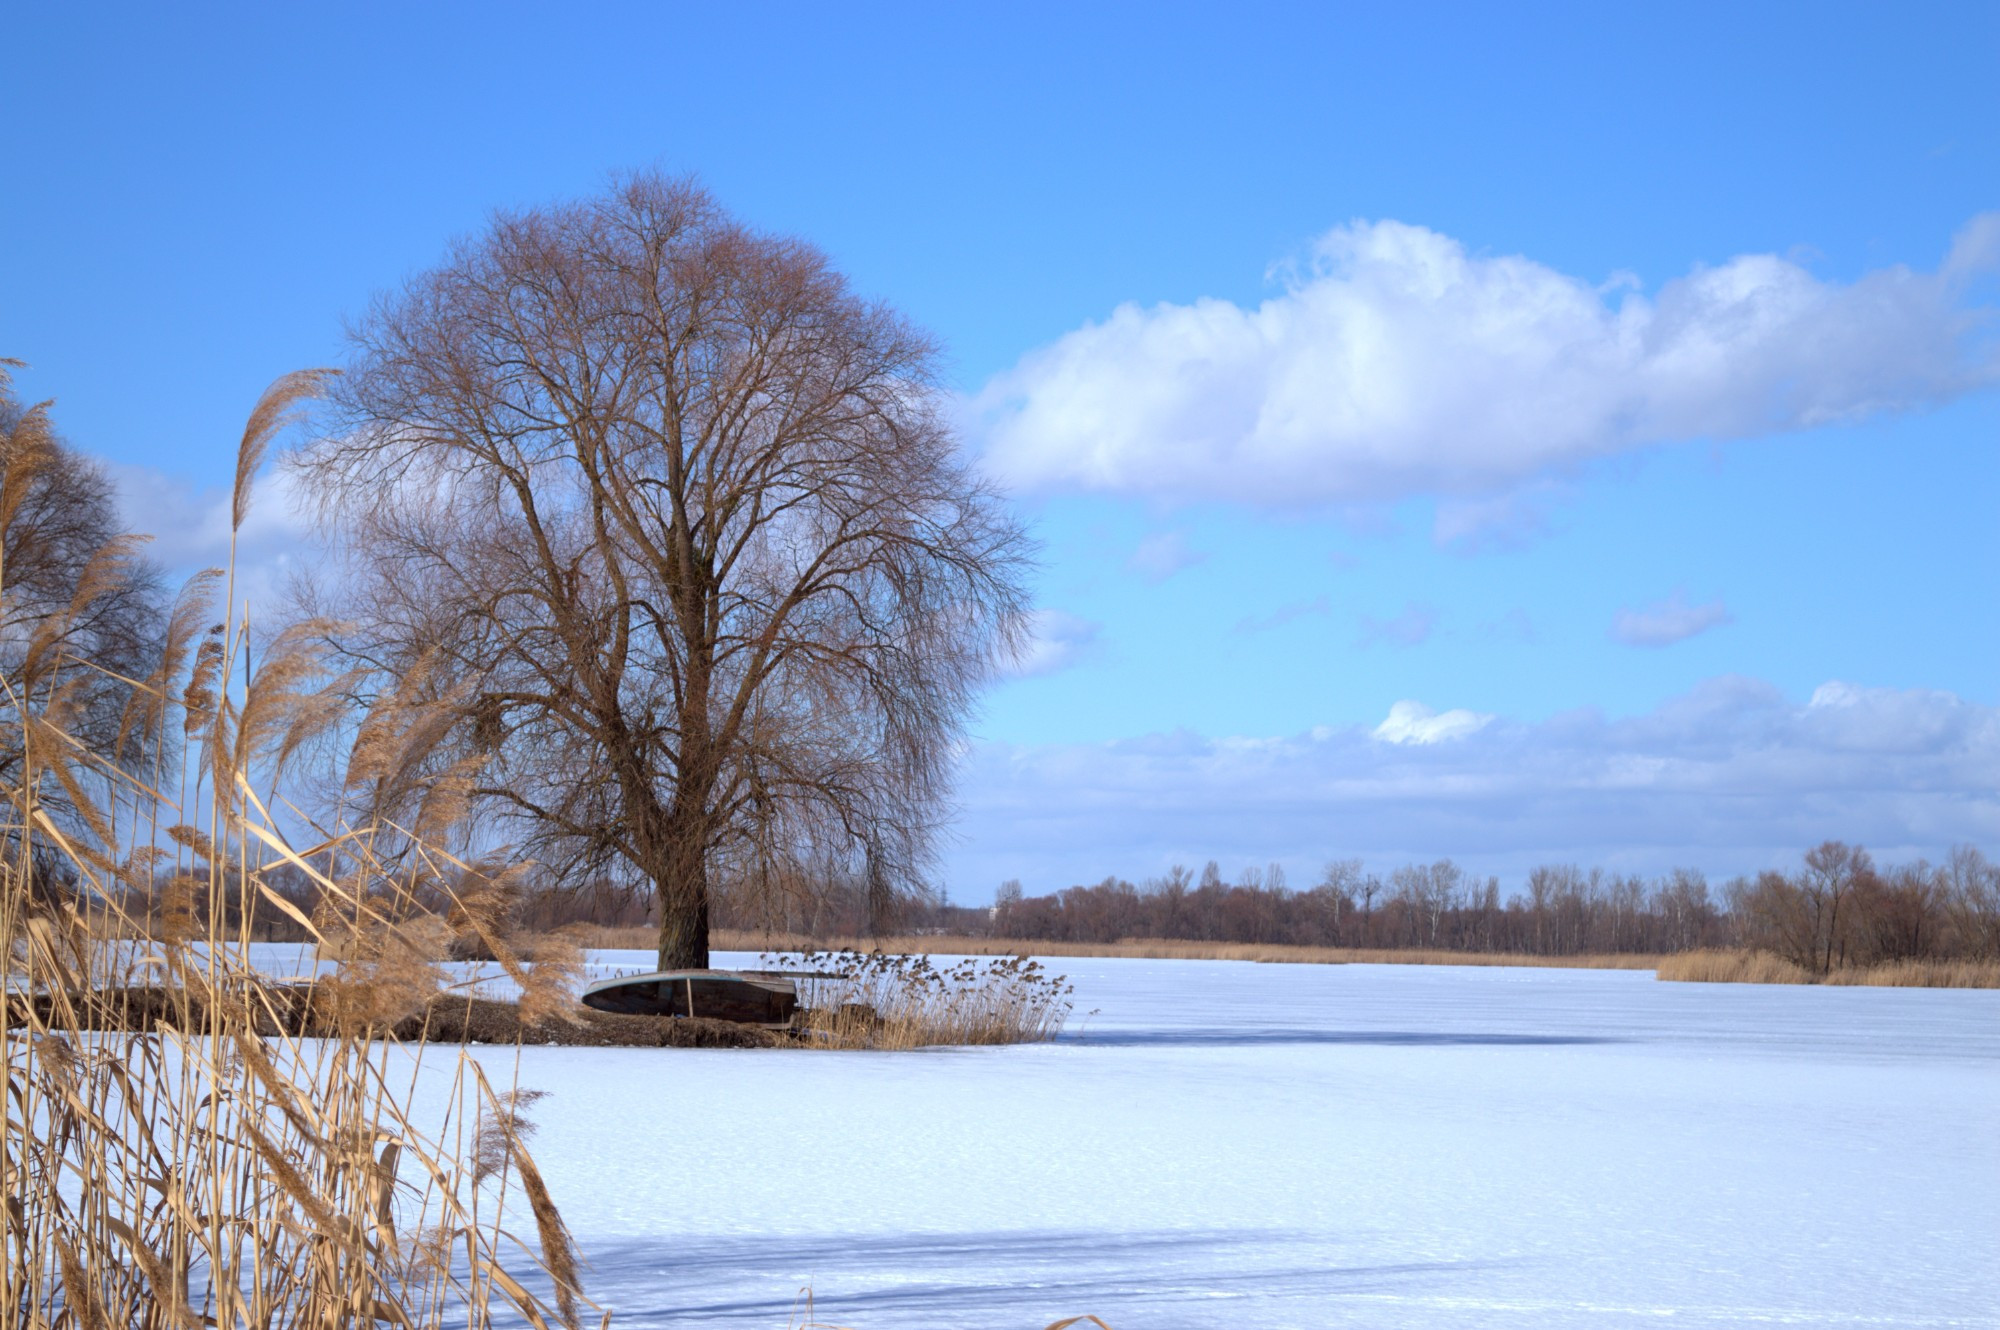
<point x="884" y="1001"/>
<point x="205" y="1166"/>
<point x="644" y="939"/>
<point x="1921" y="974"/>
<point x="1761" y="967"/>
<point x="1718" y="966"/>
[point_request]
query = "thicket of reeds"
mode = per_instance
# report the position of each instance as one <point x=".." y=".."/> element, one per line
<point x="1718" y="966"/>
<point x="883" y="1000"/>
<point x="643" y="939"/>
<point x="215" y="1168"/>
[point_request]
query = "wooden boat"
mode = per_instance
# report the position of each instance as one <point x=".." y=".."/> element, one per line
<point x="723" y="995"/>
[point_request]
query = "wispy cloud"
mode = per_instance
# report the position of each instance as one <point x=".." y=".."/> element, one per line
<point x="1057" y="640"/>
<point x="1317" y="607"/>
<point x="1415" y="723"/>
<point x="1410" y="628"/>
<point x="1399" y="362"/>
<point x="1162" y="554"/>
<point x="1729" y="777"/>
<point x="1665" y="622"/>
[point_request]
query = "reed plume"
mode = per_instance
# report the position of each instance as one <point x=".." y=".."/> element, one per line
<point x="176" y="1153"/>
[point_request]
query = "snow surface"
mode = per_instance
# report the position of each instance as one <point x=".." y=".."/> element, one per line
<point x="1232" y="1144"/>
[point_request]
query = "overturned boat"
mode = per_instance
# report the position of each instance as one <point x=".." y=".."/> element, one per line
<point x="748" y="998"/>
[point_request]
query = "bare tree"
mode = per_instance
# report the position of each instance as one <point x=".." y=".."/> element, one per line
<point x="675" y="526"/>
<point x="1428" y="892"/>
<point x="1972" y="895"/>
<point x="1684" y="900"/>
<point x="81" y="614"/>
<point x="1834" y="870"/>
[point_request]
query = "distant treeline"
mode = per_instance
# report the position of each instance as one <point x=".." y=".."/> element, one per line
<point x="1838" y="909"/>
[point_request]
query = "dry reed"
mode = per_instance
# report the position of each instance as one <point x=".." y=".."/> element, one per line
<point x="887" y="1001"/>
<point x="1714" y="966"/>
<point x="644" y="939"/>
<point x="1921" y="974"/>
<point x="1761" y="967"/>
<point x="211" y="1169"/>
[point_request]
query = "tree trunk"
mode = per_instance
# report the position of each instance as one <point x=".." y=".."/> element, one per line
<point x="881" y="900"/>
<point x="684" y="933"/>
<point x="680" y="886"/>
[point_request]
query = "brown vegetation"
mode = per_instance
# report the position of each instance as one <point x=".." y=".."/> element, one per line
<point x="1561" y="911"/>
<point x="1841" y="913"/>
<point x="1838" y="912"/>
<point x="937" y="944"/>
<point x="887" y="1000"/>
<point x="947" y="944"/>
<point x="1761" y="967"/>
<point x="174" y="1155"/>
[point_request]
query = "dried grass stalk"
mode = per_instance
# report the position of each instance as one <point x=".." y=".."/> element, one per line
<point x="641" y="939"/>
<point x="211" y="1169"/>
<point x="1761" y="967"/>
<point x="880" y="1000"/>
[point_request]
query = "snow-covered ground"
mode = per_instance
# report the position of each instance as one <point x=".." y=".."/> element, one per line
<point x="1229" y="1144"/>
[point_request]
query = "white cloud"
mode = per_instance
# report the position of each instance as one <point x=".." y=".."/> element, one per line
<point x="1414" y="723"/>
<point x="1057" y="640"/>
<point x="190" y="529"/>
<point x="1399" y="363"/>
<point x="1665" y="622"/>
<point x="1162" y="554"/>
<point x="1729" y="778"/>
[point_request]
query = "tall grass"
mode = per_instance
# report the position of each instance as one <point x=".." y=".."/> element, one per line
<point x="1716" y="966"/>
<point x="1920" y="974"/>
<point x="880" y="1000"/>
<point x="215" y="1168"/>
<point x="644" y="939"/>
<point x="1761" y="967"/>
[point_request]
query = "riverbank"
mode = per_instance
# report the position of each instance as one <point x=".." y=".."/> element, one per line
<point x="1157" y="949"/>
<point x="1761" y="967"/>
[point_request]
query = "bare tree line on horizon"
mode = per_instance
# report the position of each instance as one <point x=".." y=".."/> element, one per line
<point x="1837" y="909"/>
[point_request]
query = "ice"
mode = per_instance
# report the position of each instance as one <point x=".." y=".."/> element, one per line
<point x="1232" y="1144"/>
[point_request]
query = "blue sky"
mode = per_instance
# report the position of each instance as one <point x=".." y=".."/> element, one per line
<point x="1600" y="386"/>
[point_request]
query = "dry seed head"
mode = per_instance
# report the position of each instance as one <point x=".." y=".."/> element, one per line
<point x="275" y="410"/>
<point x="193" y="838"/>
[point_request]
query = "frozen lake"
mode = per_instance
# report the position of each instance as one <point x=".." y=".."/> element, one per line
<point x="1241" y="1145"/>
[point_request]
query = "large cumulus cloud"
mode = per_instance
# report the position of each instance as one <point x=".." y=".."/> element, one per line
<point x="1397" y="362"/>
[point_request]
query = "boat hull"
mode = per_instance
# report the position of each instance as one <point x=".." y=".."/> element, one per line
<point x="723" y="995"/>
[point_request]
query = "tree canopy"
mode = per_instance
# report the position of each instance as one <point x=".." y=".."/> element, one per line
<point x="669" y="531"/>
<point x="81" y="612"/>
